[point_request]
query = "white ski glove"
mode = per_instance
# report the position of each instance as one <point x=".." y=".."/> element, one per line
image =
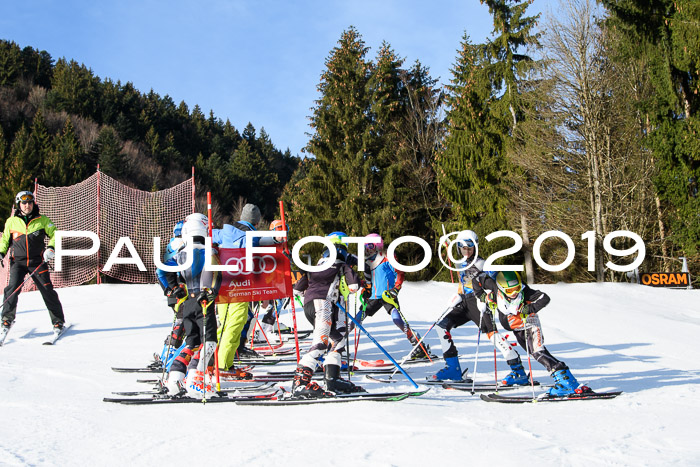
<point x="49" y="253"/>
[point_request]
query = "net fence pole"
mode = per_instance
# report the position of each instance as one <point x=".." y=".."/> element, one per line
<point x="97" y="266"/>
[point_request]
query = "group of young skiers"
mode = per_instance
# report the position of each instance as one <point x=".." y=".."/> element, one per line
<point x="208" y="327"/>
<point x="482" y="297"/>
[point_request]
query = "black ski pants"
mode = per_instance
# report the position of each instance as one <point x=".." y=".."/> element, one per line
<point x="42" y="279"/>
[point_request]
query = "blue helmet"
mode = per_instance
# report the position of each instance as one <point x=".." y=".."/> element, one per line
<point x="177" y="230"/>
<point x="340" y="247"/>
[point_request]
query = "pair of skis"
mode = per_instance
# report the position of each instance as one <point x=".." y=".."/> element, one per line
<point x="57" y="333"/>
<point x="276" y="397"/>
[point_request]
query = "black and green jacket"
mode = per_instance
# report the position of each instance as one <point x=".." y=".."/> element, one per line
<point x="25" y="235"/>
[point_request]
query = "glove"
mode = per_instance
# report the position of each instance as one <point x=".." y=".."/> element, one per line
<point x="515" y="321"/>
<point x="206" y="295"/>
<point x="178" y="292"/>
<point x="524" y="309"/>
<point x="49" y="253"/>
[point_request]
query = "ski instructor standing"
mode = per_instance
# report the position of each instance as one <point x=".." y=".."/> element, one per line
<point x="24" y="238"/>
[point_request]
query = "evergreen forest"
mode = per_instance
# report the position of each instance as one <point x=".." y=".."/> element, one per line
<point x="587" y="121"/>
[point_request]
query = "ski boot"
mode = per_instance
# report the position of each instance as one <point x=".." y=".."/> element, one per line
<point x="564" y="384"/>
<point x="517" y="376"/>
<point x="175" y="386"/>
<point x="451" y="372"/>
<point x="336" y="384"/>
<point x="419" y="353"/>
<point x="196" y="387"/>
<point x="245" y="352"/>
<point x="269" y="331"/>
<point x="303" y="388"/>
<point x="236" y="373"/>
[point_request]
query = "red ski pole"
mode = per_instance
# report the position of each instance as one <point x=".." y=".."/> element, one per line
<point x="294" y="310"/>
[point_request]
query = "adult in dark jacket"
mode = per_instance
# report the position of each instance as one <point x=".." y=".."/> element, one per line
<point x="23" y="239"/>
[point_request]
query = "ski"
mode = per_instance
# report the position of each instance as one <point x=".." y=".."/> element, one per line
<point x="286" y="399"/>
<point x="164" y="399"/>
<point x="156" y="390"/>
<point x="57" y="334"/>
<point x="3" y="334"/>
<point x="483" y="387"/>
<point x="586" y="395"/>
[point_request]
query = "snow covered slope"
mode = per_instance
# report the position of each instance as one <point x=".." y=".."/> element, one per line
<point x="613" y="336"/>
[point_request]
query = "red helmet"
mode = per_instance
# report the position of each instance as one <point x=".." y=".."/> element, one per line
<point x="277" y="225"/>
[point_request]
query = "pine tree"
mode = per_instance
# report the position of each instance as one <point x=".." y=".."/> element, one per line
<point x="109" y="153"/>
<point x="340" y="146"/>
<point x="470" y="167"/>
<point x="64" y="164"/>
<point x="667" y="35"/>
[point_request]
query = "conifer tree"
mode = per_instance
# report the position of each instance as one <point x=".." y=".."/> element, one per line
<point x="64" y="164"/>
<point x="339" y="144"/>
<point x="109" y="153"/>
<point x="470" y="167"/>
<point x="666" y="32"/>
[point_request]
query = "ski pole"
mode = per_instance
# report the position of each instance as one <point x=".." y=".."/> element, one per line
<point x="203" y="352"/>
<point x="21" y="285"/>
<point x="476" y="356"/>
<point x="357" y="323"/>
<point x="294" y="310"/>
<point x="529" y="364"/>
<point x="167" y="352"/>
<point x="421" y="339"/>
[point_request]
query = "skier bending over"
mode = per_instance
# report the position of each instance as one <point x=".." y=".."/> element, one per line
<point x="383" y="292"/>
<point x="517" y="306"/>
<point x="464" y="307"/>
<point x="202" y="287"/>
<point x="330" y="328"/>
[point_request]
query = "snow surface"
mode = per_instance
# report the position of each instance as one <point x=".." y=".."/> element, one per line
<point x="613" y="336"/>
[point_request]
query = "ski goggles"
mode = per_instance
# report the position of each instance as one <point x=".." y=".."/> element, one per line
<point x="371" y="247"/>
<point x="26" y="198"/>
<point x="513" y="290"/>
<point x="466" y="244"/>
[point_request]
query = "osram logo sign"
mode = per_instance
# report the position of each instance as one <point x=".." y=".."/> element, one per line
<point x="665" y="279"/>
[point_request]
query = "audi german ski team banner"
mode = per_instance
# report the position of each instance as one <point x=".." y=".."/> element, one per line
<point x="269" y="279"/>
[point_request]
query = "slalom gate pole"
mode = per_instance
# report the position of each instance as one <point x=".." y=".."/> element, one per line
<point x="357" y="323"/>
<point x="294" y="310"/>
<point x="495" y="366"/>
<point x="22" y="284"/>
<point x="529" y="364"/>
<point x="216" y="349"/>
<point x="476" y="355"/>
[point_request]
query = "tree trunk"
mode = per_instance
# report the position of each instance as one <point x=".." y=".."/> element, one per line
<point x="527" y="248"/>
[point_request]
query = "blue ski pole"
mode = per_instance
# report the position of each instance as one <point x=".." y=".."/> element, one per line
<point x="357" y="323"/>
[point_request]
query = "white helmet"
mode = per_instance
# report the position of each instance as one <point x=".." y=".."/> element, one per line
<point x="196" y="225"/>
<point x="199" y="217"/>
<point x="467" y="238"/>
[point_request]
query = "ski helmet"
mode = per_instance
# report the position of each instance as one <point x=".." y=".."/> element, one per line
<point x="377" y="244"/>
<point x="177" y="230"/>
<point x="25" y="196"/>
<point x="277" y="225"/>
<point x="336" y="238"/>
<point x="196" y="225"/>
<point x="467" y="238"/>
<point x="340" y="247"/>
<point x="199" y="217"/>
<point x="509" y="284"/>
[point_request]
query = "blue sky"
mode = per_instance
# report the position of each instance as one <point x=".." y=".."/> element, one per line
<point x="248" y="61"/>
